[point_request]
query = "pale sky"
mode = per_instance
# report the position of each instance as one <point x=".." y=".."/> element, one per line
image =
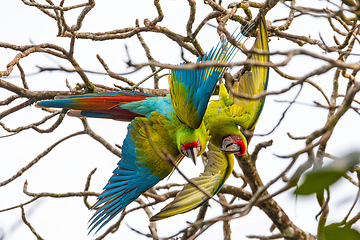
<point x="66" y="167"/>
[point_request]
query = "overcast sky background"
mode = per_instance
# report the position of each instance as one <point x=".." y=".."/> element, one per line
<point x="65" y="169"/>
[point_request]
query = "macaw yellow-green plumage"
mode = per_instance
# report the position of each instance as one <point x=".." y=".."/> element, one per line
<point x="217" y="171"/>
<point x="223" y="118"/>
<point x="252" y="83"/>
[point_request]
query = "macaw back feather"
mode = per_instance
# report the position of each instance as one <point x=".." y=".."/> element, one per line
<point x="247" y="111"/>
<point x="191" y="89"/>
<point x="217" y="170"/>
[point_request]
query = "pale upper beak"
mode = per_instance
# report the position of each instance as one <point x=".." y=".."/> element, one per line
<point x="192" y="153"/>
<point x="230" y="147"/>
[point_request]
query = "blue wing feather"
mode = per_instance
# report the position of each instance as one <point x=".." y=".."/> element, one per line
<point x="139" y="169"/>
<point x="197" y="85"/>
<point x="129" y="180"/>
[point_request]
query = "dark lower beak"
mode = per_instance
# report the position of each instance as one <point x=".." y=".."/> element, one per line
<point x="192" y="153"/>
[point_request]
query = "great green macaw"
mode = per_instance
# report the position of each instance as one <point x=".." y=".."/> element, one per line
<point x="170" y="126"/>
<point x="222" y="119"/>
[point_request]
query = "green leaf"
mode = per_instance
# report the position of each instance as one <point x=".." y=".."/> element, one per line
<point x="320" y="179"/>
<point x="316" y="181"/>
<point x="333" y="232"/>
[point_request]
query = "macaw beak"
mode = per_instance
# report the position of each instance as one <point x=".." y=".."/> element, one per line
<point x="192" y="153"/>
<point x="230" y="147"/>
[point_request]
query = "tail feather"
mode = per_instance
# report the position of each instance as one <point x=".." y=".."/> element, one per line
<point x="118" y="114"/>
<point x="252" y="83"/>
<point x="121" y="106"/>
<point x="98" y="105"/>
<point x="95" y="101"/>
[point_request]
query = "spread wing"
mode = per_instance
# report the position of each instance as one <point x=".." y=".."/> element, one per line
<point x="143" y="165"/>
<point x="191" y="89"/>
<point x="217" y="170"/>
<point x="252" y="83"/>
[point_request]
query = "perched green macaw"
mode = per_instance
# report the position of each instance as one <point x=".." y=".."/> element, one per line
<point x="163" y="128"/>
<point x="222" y="119"/>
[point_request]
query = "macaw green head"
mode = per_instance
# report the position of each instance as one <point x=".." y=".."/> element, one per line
<point x="234" y="144"/>
<point x="191" y="142"/>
